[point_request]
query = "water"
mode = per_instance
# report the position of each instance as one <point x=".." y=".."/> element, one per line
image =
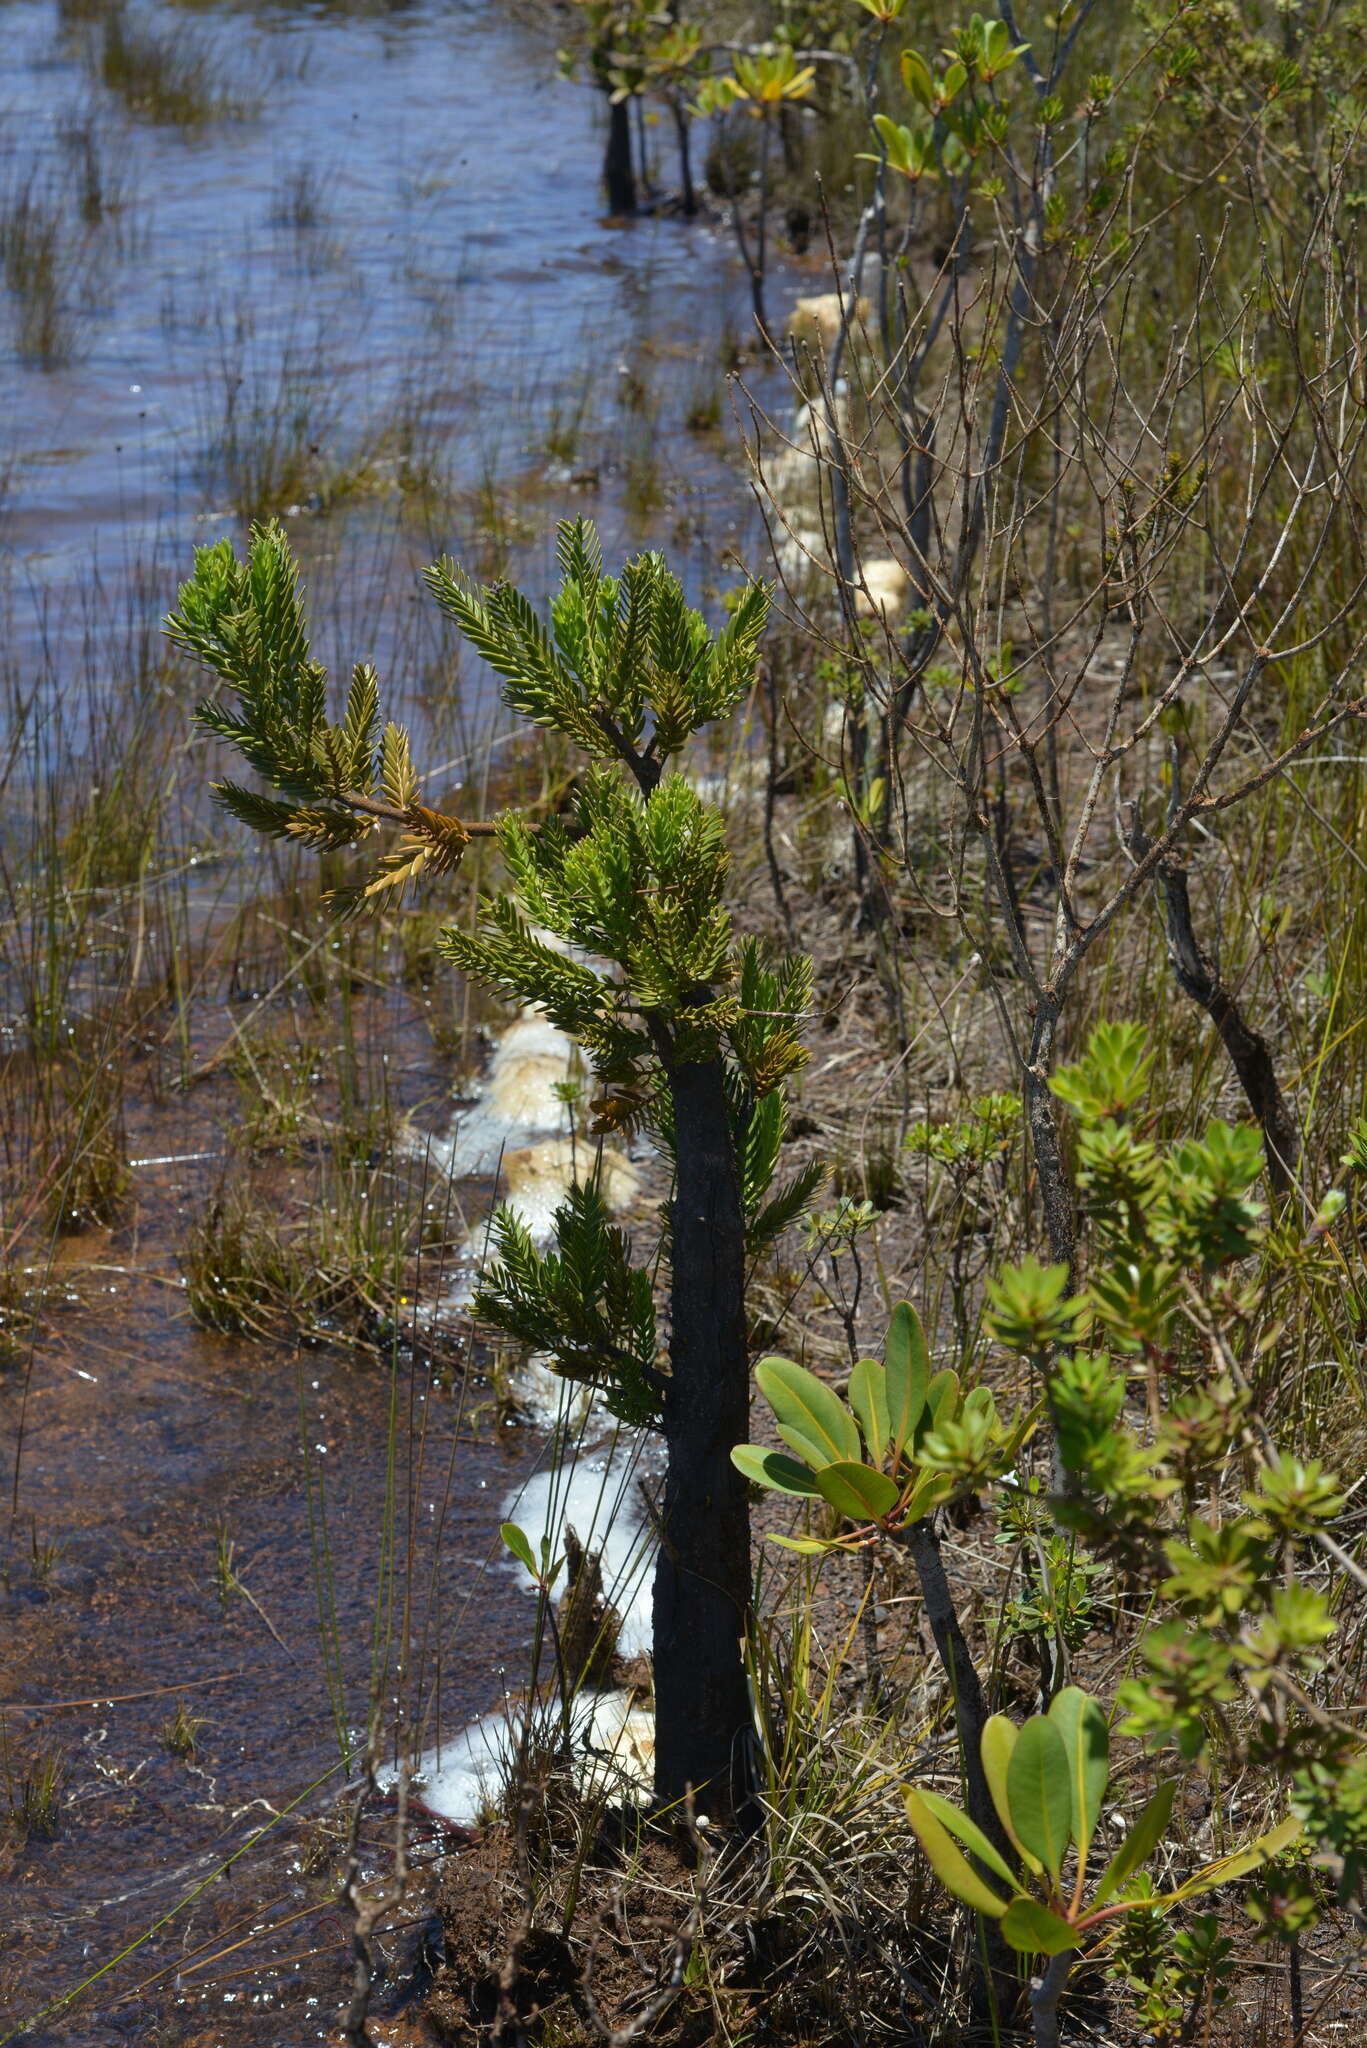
<point x="393" y="271"/>
<point x="377" y="299"/>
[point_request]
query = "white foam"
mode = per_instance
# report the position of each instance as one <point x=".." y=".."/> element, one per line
<point x="536" y="1179"/>
<point x="518" y="1128"/>
<point x="461" y="1779"/>
<point x="598" y="1495"/>
<point x="619" y="1747"/>
<point x="612" y="1741"/>
<point x="516" y="1103"/>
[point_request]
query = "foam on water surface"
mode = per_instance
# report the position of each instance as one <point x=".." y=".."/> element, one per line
<point x="518" y="1100"/>
<point x="612" y="1736"/>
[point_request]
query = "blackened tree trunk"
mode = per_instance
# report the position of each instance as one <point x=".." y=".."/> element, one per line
<point x="1198" y="976"/>
<point x="619" y="177"/>
<point x="687" y="190"/>
<point x="702" y="1576"/>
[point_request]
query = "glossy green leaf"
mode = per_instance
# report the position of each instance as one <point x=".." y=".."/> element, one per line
<point x="995" y="1748"/>
<point x="856" y="1491"/>
<point x="805" y="1546"/>
<point x="515" y="1540"/>
<point x="772" y="1469"/>
<point x="869" y="1400"/>
<point x="811" y="1419"/>
<point x="1039" y="1792"/>
<point x="1035" y="1931"/>
<point x="917" y="79"/>
<point x="1139" y="1844"/>
<point x="970" y="1834"/>
<point x="949" y="1863"/>
<point x="927" y="1493"/>
<point x="1086" y="1738"/>
<point x="906" y="1364"/>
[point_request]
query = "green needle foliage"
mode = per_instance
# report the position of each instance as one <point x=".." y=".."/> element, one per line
<point x="614" y="924"/>
<point x="335" y="783"/>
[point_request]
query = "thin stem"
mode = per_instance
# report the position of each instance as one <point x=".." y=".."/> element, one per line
<point x="1045" y="1994"/>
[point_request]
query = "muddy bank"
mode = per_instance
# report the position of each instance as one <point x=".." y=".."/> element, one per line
<point x="226" y="1557"/>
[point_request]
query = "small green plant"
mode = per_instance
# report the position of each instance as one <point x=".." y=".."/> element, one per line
<point x="167" y="75"/>
<point x="41" y="263"/>
<point x="181" y="1730"/>
<point x="764" y="83"/>
<point x="1185" y="1286"/>
<point x="226" y="1579"/>
<point x="271" y="428"/>
<point x="1172" y="1973"/>
<point x="277" y="1082"/>
<point x="237" y="1266"/>
<point x="301" y="201"/>
<point x="1111" y="1077"/>
<point x="703" y="410"/>
<point x="34" y="1794"/>
<point x="231" y="1585"/>
<point x="969" y="1143"/>
<point x="1060" y="1581"/>
<point x="1048" y="1779"/>
<point x="16" y="1308"/>
<point x="45" y="1554"/>
<point x="906" y="1441"/>
<point x="91" y="1166"/>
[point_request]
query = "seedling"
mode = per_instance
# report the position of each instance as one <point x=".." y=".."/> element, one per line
<point x="1048" y="1780"/>
<point x="180" y="1733"/>
<point x="691" y="1030"/>
<point x="35" y="1795"/>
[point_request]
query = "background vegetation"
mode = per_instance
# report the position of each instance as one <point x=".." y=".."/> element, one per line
<point x="1044" y="779"/>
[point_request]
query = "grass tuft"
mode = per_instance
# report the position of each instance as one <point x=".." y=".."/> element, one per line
<point x="165" y="74"/>
<point x="180" y="1733"/>
<point x="34" y="1794"/>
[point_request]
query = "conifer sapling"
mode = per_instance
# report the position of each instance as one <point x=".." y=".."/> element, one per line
<point x="689" y="1032"/>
